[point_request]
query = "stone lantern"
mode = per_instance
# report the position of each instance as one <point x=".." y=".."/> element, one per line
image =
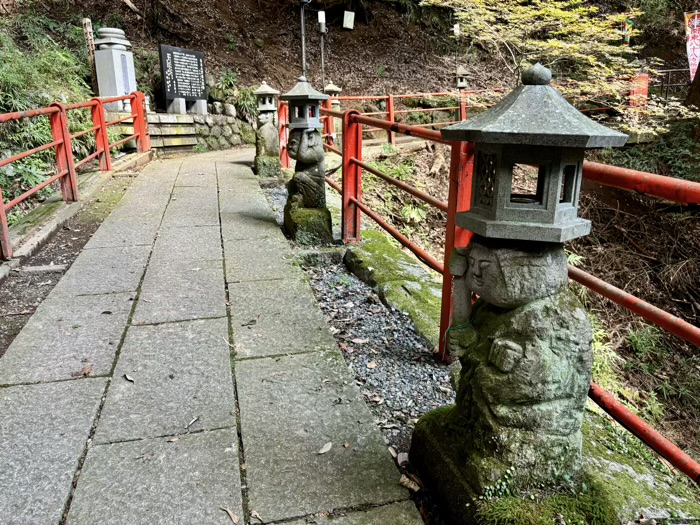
<point x="304" y="105"/>
<point x="266" y="98"/>
<point x="306" y="217"/>
<point x="333" y="91"/>
<point x="461" y="77"/>
<point x="526" y="345"/>
<point x="267" y="142"/>
<point x="529" y="162"/>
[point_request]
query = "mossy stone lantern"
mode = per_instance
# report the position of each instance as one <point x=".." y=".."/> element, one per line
<point x="461" y="77"/>
<point x="529" y="151"/>
<point x="304" y="105"/>
<point x="266" y="98"/>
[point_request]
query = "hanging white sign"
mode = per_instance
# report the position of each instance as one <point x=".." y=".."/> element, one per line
<point x="692" y="41"/>
<point x="349" y="20"/>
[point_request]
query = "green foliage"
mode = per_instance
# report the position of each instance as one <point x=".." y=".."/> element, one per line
<point x="228" y="80"/>
<point x="647" y="342"/>
<point x="148" y="76"/>
<point x="573" y="37"/>
<point x="606" y="362"/>
<point x="247" y="103"/>
<point x="674" y="150"/>
<point x="231" y="44"/>
<point x="37" y="69"/>
<point x="381" y="71"/>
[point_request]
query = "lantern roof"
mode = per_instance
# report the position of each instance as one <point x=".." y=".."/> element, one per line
<point x="265" y="89"/>
<point x="535" y="114"/>
<point x="303" y="90"/>
<point x="461" y="71"/>
<point x="332" y="89"/>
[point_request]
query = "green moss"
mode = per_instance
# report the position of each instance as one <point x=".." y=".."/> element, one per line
<point x="400" y="280"/>
<point x="635" y="478"/>
<point x="308" y="226"/>
<point x="247" y="133"/>
<point x="589" y="504"/>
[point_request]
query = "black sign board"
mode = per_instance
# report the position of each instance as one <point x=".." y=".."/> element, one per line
<point x="183" y="73"/>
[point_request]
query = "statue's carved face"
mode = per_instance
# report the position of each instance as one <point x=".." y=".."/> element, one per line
<point x="305" y="145"/>
<point x="484" y="275"/>
<point x="510" y="277"/>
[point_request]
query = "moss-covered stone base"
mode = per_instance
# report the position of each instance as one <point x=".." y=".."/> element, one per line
<point x="401" y="281"/>
<point x="621" y="481"/>
<point x="308" y="226"/>
<point x="268" y="167"/>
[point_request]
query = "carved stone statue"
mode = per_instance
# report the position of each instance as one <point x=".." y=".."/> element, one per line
<point x="267" y="147"/>
<point x="306" y="217"/>
<point x="525" y="347"/>
<point x="308" y="186"/>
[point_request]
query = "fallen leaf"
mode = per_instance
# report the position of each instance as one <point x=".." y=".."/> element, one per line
<point x="254" y="514"/>
<point x="192" y="423"/>
<point x="325" y="448"/>
<point x="128" y="378"/>
<point x="343" y="346"/>
<point x="359" y="341"/>
<point x="372" y="365"/>
<point x="231" y="515"/>
<point x="346" y="445"/>
<point x="407" y="482"/>
<point x="392" y="451"/>
<point x="84" y="372"/>
<point x="173" y="439"/>
<point x="445" y="389"/>
<point x="196" y="269"/>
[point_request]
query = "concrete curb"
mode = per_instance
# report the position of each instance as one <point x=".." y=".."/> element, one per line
<point x="31" y="242"/>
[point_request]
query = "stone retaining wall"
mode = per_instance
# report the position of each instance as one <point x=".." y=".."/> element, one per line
<point x="203" y="132"/>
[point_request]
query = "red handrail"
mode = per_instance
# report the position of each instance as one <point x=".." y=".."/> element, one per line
<point x="66" y="166"/>
<point x="459" y="198"/>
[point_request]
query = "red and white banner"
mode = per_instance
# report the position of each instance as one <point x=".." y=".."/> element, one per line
<point x="692" y="41"/>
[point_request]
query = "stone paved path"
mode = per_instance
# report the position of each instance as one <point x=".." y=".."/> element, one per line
<point x="212" y="380"/>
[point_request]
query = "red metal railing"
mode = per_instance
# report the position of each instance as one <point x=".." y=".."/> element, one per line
<point x="461" y="169"/>
<point x="66" y="166"/>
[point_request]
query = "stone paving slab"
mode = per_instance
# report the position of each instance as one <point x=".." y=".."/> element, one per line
<point x="192" y="206"/>
<point x="155" y="481"/>
<point x="188" y="243"/>
<point x="258" y="224"/>
<point x="157" y="177"/>
<point x="180" y="372"/>
<point x="105" y="270"/>
<point x="180" y="291"/>
<point x="403" y="513"/>
<point x="230" y="174"/>
<point x="43" y="431"/>
<point x="276" y="317"/>
<point x="64" y="336"/>
<point x="243" y="199"/>
<point x="125" y="232"/>
<point x="197" y="173"/>
<point x="251" y="260"/>
<point x="144" y="207"/>
<point x="290" y="408"/>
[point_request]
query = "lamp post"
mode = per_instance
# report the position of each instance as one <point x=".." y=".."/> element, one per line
<point x="304" y="3"/>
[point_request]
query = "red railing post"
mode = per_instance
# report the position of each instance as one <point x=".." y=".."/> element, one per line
<point x="639" y="91"/>
<point x="138" y="112"/>
<point x="459" y="200"/>
<point x="101" y="139"/>
<point x="329" y="124"/>
<point x="64" y="153"/>
<point x="390" y="117"/>
<point x="462" y="106"/>
<point x="352" y="177"/>
<point x="5" y="244"/>
<point x="282" y="121"/>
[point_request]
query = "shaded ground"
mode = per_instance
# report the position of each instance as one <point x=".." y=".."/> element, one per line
<point x="21" y="293"/>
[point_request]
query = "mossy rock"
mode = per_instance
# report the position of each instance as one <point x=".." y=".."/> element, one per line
<point x="308" y="226"/>
<point x="248" y="133"/>
<point x="621" y="480"/>
<point x="400" y="280"/>
<point x="268" y="167"/>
